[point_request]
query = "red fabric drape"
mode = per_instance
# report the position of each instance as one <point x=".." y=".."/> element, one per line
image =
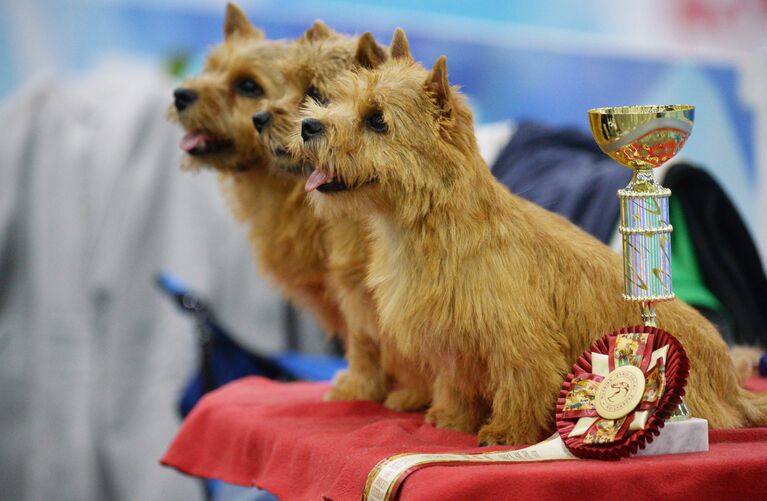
<point x="284" y="438"/>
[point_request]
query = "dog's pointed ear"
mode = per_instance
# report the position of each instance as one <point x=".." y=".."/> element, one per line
<point x="236" y="23"/>
<point x="400" y="47"/>
<point x="369" y="53"/>
<point x="318" y="31"/>
<point x="437" y="84"/>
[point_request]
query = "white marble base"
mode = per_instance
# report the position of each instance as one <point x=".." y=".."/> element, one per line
<point x="678" y="437"/>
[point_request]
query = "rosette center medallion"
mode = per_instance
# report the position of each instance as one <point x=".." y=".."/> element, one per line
<point x="620" y="392"/>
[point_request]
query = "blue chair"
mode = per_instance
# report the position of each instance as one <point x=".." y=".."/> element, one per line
<point x="222" y="360"/>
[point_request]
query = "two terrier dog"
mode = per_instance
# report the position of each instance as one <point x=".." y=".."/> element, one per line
<point x="446" y="289"/>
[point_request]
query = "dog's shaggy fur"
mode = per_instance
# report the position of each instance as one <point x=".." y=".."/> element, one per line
<point x="317" y="59"/>
<point x="497" y="295"/>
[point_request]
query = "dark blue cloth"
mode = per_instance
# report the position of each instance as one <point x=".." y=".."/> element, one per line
<point x="564" y="171"/>
<point x="223" y="360"/>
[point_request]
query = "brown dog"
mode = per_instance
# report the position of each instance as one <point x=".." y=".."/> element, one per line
<point x="317" y="59"/>
<point x="216" y="109"/>
<point x="498" y="295"/>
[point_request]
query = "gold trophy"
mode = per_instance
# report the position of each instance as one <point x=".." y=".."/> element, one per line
<point x="643" y="138"/>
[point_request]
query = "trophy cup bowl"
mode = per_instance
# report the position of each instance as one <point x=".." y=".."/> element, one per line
<point x="642" y="137"/>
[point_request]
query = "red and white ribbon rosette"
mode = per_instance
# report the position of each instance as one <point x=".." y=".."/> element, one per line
<point x="620" y="392"/>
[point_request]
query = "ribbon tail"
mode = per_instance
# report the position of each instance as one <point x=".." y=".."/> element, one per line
<point x="387" y="476"/>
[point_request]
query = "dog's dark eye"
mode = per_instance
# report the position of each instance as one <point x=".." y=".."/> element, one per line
<point x="375" y="122"/>
<point x="248" y="87"/>
<point x="314" y="93"/>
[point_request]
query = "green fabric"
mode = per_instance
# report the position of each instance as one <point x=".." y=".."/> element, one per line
<point x="688" y="283"/>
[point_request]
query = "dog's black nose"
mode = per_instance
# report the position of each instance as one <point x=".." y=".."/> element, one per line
<point x="262" y="119"/>
<point x="183" y="98"/>
<point x="311" y="127"/>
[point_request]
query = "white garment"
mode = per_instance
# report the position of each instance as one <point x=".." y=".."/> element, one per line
<point x="492" y="138"/>
<point x="92" y="357"/>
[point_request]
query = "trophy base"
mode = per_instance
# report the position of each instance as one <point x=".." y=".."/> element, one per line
<point x="678" y="437"/>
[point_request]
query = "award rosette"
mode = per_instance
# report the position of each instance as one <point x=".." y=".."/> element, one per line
<point x="614" y="402"/>
<point x="620" y="392"/>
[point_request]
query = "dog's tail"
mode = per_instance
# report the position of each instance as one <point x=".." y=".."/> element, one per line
<point x="745" y="359"/>
<point x="753" y="407"/>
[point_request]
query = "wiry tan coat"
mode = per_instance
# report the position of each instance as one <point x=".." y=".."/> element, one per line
<point x="316" y="60"/>
<point x="496" y="295"/>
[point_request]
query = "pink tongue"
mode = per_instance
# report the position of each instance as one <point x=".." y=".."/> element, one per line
<point x="193" y="140"/>
<point x="316" y="178"/>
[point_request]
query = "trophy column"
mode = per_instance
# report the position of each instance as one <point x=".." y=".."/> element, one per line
<point x="646" y="243"/>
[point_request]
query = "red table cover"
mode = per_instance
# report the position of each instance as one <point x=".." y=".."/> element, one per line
<point x="282" y="437"/>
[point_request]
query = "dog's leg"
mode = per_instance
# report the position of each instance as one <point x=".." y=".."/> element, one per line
<point x="455" y="405"/>
<point x="317" y="299"/>
<point x="408" y="399"/>
<point x="414" y="392"/>
<point x="523" y="406"/>
<point x="365" y="379"/>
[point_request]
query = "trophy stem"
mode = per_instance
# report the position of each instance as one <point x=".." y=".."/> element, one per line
<point x="681" y="413"/>
<point x="649" y="316"/>
<point x="643" y="181"/>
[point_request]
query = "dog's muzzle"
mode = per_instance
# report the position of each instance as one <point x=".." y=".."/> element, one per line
<point x="261" y="120"/>
<point x="183" y="98"/>
<point x="311" y="128"/>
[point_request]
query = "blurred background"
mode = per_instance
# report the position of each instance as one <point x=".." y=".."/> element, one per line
<point x="92" y="204"/>
<point x="549" y="60"/>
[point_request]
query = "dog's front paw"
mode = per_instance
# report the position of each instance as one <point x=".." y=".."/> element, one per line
<point x="450" y="420"/>
<point x="406" y="400"/>
<point x="492" y="434"/>
<point x="348" y="386"/>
